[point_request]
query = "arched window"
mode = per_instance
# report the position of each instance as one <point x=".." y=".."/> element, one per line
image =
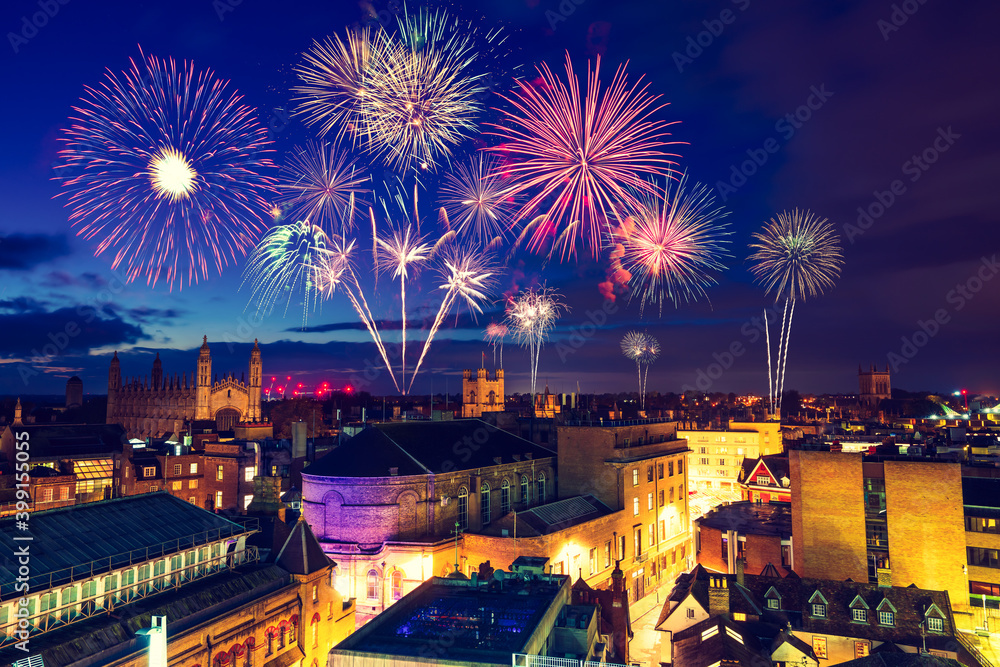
<point x="397" y="584"/>
<point x="463" y="508"/>
<point x="505" y="497"/>
<point x="484" y="500"/>
<point x="372" y="585"/>
<point x="314" y="629"/>
<point x="525" y="497"/>
<point x="541" y="488"/>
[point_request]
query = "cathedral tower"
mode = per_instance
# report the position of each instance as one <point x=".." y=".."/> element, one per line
<point x="157" y="372"/>
<point x="114" y="386"/>
<point x="256" y="370"/>
<point x="203" y="387"/>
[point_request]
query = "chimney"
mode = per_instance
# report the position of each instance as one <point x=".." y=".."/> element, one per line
<point x="741" y="565"/>
<point x="718" y="596"/>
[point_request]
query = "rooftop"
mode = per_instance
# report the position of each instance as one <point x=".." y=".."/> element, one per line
<point x="747" y="517"/>
<point x="551" y="517"/>
<point x="419" y="448"/>
<point x="77" y="542"/>
<point x="59" y="441"/>
<point x="465" y="622"/>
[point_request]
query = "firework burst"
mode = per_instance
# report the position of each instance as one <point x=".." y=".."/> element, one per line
<point x="797" y="254"/>
<point x="671" y="243"/>
<point x="531" y="315"/>
<point x="467" y="279"/>
<point x="285" y="265"/>
<point x="579" y="157"/>
<point x="643" y="349"/>
<point x="320" y="183"/>
<point x="495" y="333"/>
<point x="162" y="166"/>
<point x="477" y="205"/>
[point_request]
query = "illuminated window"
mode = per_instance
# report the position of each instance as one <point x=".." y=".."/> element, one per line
<point x="859" y="615"/>
<point x="607" y="554"/>
<point x="218" y="499"/>
<point x="249" y="473"/>
<point x="176" y="485"/>
<point x="64" y="493"/>
<point x="149" y="472"/>
<point x="218" y="473"/>
<point x="773" y="603"/>
<point x="649" y="500"/>
<point x="661" y="497"/>
<point x="315" y="633"/>
<point x="484" y="500"/>
<point x="193" y="469"/>
<point x="372" y="585"/>
<point x="637" y="541"/>
<point x="739" y="617"/>
<point x="505" y="497"/>
<point x="315" y="593"/>
<point x="397" y="585"/>
<point x="593" y="560"/>
<point x="47" y="494"/>
<point x="463" y="508"/>
<point x="635" y="506"/>
<point x="652" y="534"/>
<point x="192" y="484"/>
<point x="763" y="480"/>
<point x="635" y="477"/>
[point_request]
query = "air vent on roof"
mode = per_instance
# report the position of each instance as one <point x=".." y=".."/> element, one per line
<point x="393" y="472"/>
<point x="496" y="459"/>
<point x="527" y="457"/>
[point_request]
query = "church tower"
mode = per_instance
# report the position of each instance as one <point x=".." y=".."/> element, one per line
<point x="203" y="387"/>
<point x="114" y="386"/>
<point x="874" y="385"/>
<point x="157" y="372"/>
<point x="253" y="412"/>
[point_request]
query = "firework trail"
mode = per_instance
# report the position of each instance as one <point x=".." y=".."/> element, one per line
<point x="320" y="183"/>
<point x="531" y="314"/>
<point x="584" y="155"/>
<point x="468" y="278"/>
<point x="477" y="205"/>
<point x="797" y="254"/>
<point x="284" y="264"/>
<point x="671" y="242"/>
<point x="403" y="250"/>
<point x="163" y="167"/>
<point x="643" y="349"/>
<point x="336" y="271"/>
<point x="495" y="333"/>
<point x="408" y="97"/>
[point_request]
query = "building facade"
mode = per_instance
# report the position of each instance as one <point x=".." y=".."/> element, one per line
<point x="158" y="405"/>
<point x="481" y="394"/>
<point x="717" y="456"/>
<point x="873" y="386"/>
<point x="765" y="480"/>
<point x="637" y="468"/>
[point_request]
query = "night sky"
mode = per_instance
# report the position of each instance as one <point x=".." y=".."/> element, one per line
<point x="905" y="93"/>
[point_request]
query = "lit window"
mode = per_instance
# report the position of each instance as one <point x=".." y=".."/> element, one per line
<point x="315" y="593"/>
<point x="47" y="495"/>
<point x="247" y="499"/>
<point x="661" y="496"/>
<point x="635" y="506"/>
<point x="859" y="615"/>
<point x="738" y="616"/>
<point x="194" y="468"/>
<point x="652" y="534"/>
<point x="192" y="484"/>
<point x="397" y="585"/>
<point x="635" y="477"/>
<point x="176" y="485"/>
<point x="484" y="503"/>
<point x="218" y="473"/>
<point x="149" y="472"/>
<point x="773" y="603"/>
<point x="463" y="508"/>
<point x="218" y="499"/>
<point x="249" y="473"/>
<point x="649" y="501"/>
<point x="372" y="585"/>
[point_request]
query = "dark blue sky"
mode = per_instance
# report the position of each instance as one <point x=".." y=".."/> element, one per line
<point x="885" y="86"/>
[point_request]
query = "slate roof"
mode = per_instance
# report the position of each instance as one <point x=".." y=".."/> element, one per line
<point x="420" y="448"/>
<point x="67" y="441"/>
<point x="776" y="464"/>
<point x="885" y="659"/>
<point x="690" y="650"/>
<point x="69" y="539"/>
<point x="301" y="553"/>
<point x="551" y="517"/>
<point x="109" y="637"/>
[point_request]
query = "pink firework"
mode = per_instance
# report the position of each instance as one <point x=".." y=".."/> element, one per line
<point x="162" y="167"/>
<point x="577" y="158"/>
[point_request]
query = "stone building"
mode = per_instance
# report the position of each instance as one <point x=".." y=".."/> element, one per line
<point x="873" y="386"/>
<point x="156" y="405"/>
<point x="160" y="556"/>
<point x="74" y="393"/>
<point x="717" y="455"/>
<point x="385" y="504"/>
<point x="481" y="394"/>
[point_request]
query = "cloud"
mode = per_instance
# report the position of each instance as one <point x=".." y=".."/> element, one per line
<point x="22" y="252"/>
<point x="22" y="304"/>
<point x="87" y="280"/>
<point x="35" y="333"/>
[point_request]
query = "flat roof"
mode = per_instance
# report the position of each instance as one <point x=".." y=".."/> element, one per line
<point x="772" y="518"/>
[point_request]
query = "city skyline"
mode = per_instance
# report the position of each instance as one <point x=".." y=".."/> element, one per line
<point x="885" y="124"/>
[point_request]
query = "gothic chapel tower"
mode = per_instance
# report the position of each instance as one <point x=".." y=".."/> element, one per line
<point x="253" y="412"/>
<point x="203" y="388"/>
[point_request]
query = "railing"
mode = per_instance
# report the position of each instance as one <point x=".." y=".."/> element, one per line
<point x="122" y="560"/>
<point x="524" y="660"/>
<point x="617" y="422"/>
<point x="970" y="647"/>
<point x="79" y="610"/>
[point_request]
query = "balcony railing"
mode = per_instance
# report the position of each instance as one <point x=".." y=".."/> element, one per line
<point x="523" y="660"/>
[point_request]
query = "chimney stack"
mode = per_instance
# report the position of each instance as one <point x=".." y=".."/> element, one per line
<point x="718" y="596"/>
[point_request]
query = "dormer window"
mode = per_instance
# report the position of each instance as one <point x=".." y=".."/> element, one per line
<point x="773" y="598"/>
<point x="817" y="605"/>
<point x="886" y="613"/>
<point x="859" y="610"/>
<point x="934" y="619"/>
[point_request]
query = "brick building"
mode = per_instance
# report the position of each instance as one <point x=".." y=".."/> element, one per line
<point x="637" y="468"/>
<point x="765" y="479"/>
<point x="717" y="456"/>
<point x="160" y="556"/>
<point x="385" y="504"/>
<point x="754" y="535"/>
